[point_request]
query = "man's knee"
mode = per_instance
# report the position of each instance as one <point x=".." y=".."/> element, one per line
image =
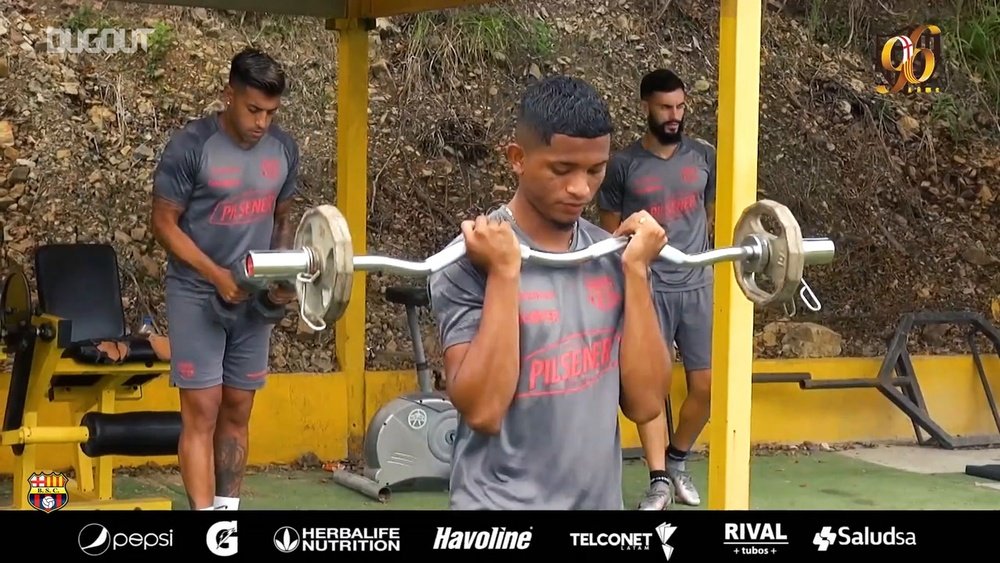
<point x="200" y="409"/>
<point x="236" y="407"/>
<point x="700" y="386"/>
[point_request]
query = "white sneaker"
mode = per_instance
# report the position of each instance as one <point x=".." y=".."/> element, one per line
<point x="659" y="496"/>
<point x="684" y="489"/>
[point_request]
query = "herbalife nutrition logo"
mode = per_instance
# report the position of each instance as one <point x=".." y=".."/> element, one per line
<point x="286" y="539"/>
<point x="107" y="41"/>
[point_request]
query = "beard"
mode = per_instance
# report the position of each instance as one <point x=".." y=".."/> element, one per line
<point x="662" y="135"/>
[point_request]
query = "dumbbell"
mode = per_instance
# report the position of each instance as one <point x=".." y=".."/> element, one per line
<point x="260" y="304"/>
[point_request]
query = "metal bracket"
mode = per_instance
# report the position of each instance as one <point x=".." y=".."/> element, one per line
<point x="897" y="380"/>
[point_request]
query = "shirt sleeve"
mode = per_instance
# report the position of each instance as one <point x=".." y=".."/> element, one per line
<point x="457" y="294"/>
<point x="176" y="173"/>
<point x="710" y="159"/>
<point x="611" y="194"/>
<point x="291" y="185"/>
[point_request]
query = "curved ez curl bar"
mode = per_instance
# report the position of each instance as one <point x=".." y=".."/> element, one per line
<point x="323" y="265"/>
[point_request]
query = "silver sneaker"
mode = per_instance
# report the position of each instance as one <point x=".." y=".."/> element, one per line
<point x="684" y="489"/>
<point x="659" y="496"/>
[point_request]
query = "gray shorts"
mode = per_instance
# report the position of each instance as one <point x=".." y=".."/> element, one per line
<point x="686" y="318"/>
<point x="204" y="353"/>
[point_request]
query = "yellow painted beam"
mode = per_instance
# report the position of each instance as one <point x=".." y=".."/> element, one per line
<point x="739" y="84"/>
<point x="314" y="8"/>
<point x="352" y="197"/>
<point x="386" y="8"/>
<point x="330" y="9"/>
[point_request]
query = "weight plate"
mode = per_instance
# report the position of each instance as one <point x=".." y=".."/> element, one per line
<point x="324" y="229"/>
<point x="15" y="307"/>
<point x="784" y="256"/>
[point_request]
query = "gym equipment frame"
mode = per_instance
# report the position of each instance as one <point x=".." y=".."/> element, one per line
<point x="57" y="359"/>
<point x="897" y="379"/>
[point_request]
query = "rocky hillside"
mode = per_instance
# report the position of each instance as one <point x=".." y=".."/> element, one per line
<point x="906" y="185"/>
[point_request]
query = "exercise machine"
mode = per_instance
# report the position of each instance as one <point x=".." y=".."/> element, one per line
<point x="57" y="348"/>
<point x="409" y="441"/>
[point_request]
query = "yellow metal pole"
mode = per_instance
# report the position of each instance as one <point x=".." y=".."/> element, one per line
<point x="352" y="196"/>
<point x="732" y="363"/>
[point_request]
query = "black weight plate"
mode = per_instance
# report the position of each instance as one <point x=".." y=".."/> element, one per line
<point x="15" y="305"/>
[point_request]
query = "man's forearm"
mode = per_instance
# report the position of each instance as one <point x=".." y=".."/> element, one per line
<point x="486" y="382"/>
<point x="283" y="234"/>
<point x="644" y="357"/>
<point x="182" y="248"/>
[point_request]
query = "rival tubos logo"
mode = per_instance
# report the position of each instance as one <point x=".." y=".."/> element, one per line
<point x="496" y="538"/>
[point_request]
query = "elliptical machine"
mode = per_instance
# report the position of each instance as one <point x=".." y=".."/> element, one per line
<point x="408" y="445"/>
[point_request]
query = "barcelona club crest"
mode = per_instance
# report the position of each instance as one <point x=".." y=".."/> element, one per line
<point x="48" y="491"/>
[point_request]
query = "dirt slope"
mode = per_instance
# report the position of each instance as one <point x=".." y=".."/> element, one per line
<point x="906" y="185"/>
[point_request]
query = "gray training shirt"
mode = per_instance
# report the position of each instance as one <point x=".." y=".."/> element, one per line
<point x="674" y="191"/>
<point x="229" y="192"/>
<point x="559" y="446"/>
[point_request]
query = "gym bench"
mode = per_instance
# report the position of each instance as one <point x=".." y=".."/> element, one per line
<point x="55" y="353"/>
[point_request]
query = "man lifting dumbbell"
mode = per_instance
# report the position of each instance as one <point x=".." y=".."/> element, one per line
<point x="538" y="360"/>
<point x="223" y="186"/>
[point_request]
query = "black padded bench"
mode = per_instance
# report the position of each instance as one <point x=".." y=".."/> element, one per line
<point x="80" y="284"/>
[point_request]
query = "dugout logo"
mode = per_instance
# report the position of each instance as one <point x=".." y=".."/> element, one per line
<point x="289" y="539"/>
<point x="827" y="537"/>
<point x="494" y="539"/>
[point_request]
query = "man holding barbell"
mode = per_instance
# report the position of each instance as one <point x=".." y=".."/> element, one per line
<point x="539" y="360"/>
<point x="671" y="176"/>
<point x="223" y="187"/>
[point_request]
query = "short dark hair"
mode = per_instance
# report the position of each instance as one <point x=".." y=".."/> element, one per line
<point x="564" y="105"/>
<point x="659" y="80"/>
<point x="256" y="69"/>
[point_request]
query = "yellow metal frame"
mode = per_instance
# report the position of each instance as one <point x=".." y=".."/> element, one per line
<point x="732" y="356"/>
<point x="92" y="489"/>
<point x="352" y="200"/>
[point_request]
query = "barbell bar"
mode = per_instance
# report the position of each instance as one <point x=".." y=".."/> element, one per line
<point x="322" y="261"/>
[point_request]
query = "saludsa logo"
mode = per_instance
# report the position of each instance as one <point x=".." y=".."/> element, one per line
<point x="96" y="539"/>
<point x="493" y="539"/>
<point x="825" y="538"/>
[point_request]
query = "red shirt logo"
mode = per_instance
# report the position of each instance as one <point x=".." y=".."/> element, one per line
<point x="270" y="168"/>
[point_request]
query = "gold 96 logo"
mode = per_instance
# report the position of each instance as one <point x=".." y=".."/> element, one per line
<point x="914" y="65"/>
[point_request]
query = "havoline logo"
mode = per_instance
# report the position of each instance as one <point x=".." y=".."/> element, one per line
<point x="495" y="538"/>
